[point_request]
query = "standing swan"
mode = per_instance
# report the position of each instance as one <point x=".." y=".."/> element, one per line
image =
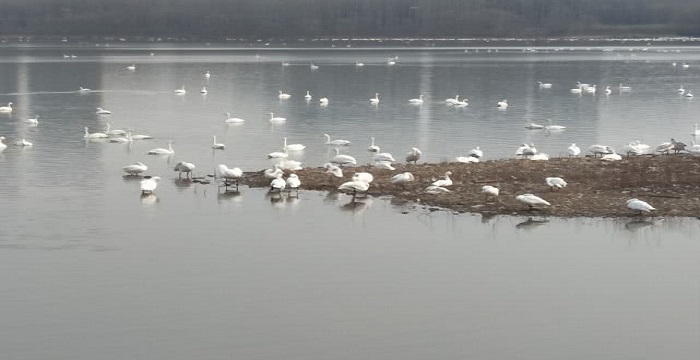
<point x="149" y="185"/>
<point x="413" y="156"/>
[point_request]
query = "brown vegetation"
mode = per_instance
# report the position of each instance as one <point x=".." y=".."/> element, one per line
<point x="670" y="183"/>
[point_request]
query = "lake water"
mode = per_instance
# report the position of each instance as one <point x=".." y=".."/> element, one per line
<point x="92" y="270"/>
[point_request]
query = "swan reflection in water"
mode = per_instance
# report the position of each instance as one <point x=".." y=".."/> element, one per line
<point x="637" y="225"/>
<point x="229" y="195"/>
<point x="149" y="199"/>
<point x="531" y="223"/>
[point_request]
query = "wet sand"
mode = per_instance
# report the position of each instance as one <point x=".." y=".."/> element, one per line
<point x="670" y="183"/>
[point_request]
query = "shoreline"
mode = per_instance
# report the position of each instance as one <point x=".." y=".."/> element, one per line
<point x="670" y="183"/>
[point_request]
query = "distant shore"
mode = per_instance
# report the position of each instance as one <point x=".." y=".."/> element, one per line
<point x="670" y="183"/>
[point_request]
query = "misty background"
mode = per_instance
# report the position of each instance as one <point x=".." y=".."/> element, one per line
<point x="291" y="19"/>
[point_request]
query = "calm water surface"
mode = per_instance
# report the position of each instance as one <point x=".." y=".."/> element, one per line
<point x="92" y="270"/>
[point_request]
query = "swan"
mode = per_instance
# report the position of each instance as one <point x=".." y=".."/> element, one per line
<point x="334" y="170"/>
<point x="278" y="155"/>
<point x="33" y="121"/>
<point x="443" y="182"/>
<point x="384" y="157"/>
<point x="293" y="147"/>
<point x="384" y="165"/>
<point x="375" y="99"/>
<point x="2" y="146"/>
<point x="135" y="169"/>
<point x="343" y="159"/>
<point x="555" y="182"/>
<point x="323" y="101"/>
<point x="417" y="101"/>
<point x="526" y="150"/>
<point x="122" y="139"/>
<point x="681" y="90"/>
<point x="436" y="190"/>
<point x="363" y="176"/>
<point x="307" y="96"/>
<point x="476" y="152"/>
<point x="293" y="182"/>
<point x="489" y="190"/>
<point x="359" y="64"/>
<point x="539" y="157"/>
<point x="204" y="90"/>
<point x="313" y="67"/>
<point x="184" y="167"/>
<point x="591" y="90"/>
<point x="503" y="104"/>
<point x="639" y="205"/>
<point x="149" y="185"/>
<point x="217" y="146"/>
<point x="402" y="178"/>
<point x="272" y="173"/>
<point x="466" y="159"/>
<point x="227" y="174"/>
<point x="461" y="103"/>
<point x="6" y="109"/>
<point x="24" y="143"/>
<point x="114" y="132"/>
<point x="544" y="85"/>
<point x="582" y="86"/>
<point x="375" y="148"/>
<point x="290" y="165"/>
<point x="452" y="101"/>
<point x="612" y="156"/>
<point x="677" y="146"/>
<point x="181" y="91"/>
<point x="141" y="137"/>
<point x="131" y="67"/>
<point x="531" y="200"/>
<point x="688" y="94"/>
<point x="390" y="62"/>
<point x="534" y="126"/>
<point x="283" y="96"/>
<point x="278" y="184"/>
<point x="573" y="150"/>
<point x="664" y="148"/>
<point x="413" y="155"/>
<point x="84" y="90"/>
<point x="274" y="119"/>
<point x="685" y="65"/>
<point x="94" y="135"/>
<point x="161" y="151"/>
<point x="336" y="142"/>
<point x="354" y="187"/>
<point x="576" y="90"/>
<point x="696" y="130"/>
<point x="232" y="120"/>
<point x="551" y="127"/>
<point x="101" y="111"/>
<point x="607" y="90"/>
<point x="285" y="63"/>
<point x="598" y="149"/>
<point x="636" y="148"/>
<point x="207" y="74"/>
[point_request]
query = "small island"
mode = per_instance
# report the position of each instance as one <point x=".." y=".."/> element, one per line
<point x="596" y="188"/>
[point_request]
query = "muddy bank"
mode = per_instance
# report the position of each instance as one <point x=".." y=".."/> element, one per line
<point x="670" y="183"/>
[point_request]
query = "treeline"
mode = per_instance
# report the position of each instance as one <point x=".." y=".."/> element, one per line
<point x="349" y="18"/>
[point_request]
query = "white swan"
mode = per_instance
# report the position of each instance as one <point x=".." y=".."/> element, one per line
<point x="443" y="182"/>
<point x="552" y="127"/>
<point x="217" y="146"/>
<point x="291" y="165"/>
<point x="489" y="190"/>
<point x="413" y="156"/>
<point x="162" y="151"/>
<point x="184" y="167"/>
<point x="466" y="159"/>
<point x="384" y="157"/>
<point x="607" y="90"/>
<point x="576" y="90"/>
<point x="233" y="120"/>
<point x="323" y="101"/>
<point x="272" y="173"/>
<point x="94" y="135"/>
<point x="84" y="90"/>
<point x="293" y="147"/>
<point x="141" y="137"/>
<point x="278" y="184"/>
<point x="293" y="182"/>
<point x="313" y="67"/>
<point x="24" y="143"/>
<point x="503" y="104"/>
<point x="2" y="146"/>
<point x="228" y="174"/>
<point x="613" y="156"/>
<point x="591" y="90"/>
<point x="452" y="101"/>
<point x="639" y="205"/>
<point x="278" y="155"/>
<point x="534" y="126"/>
<point x="283" y="96"/>
<point x="307" y="96"/>
<point x="598" y="149"/>
<point x="204" y="90"/>
<point x="573" y="150"/>
<point x="181" y="91"/>
<point x="402" y="178"/>
<point x="334" y="170"/>
<point x="417" y="101"/>
<point x="526" y="150"/>
<point x="476" y="152"/>
<point x="436" y="190"/>
<point x="555" y="182"/>
<point x="343" y="159"/>
<point x="122" y="139"/>
<point x="462" y="103"/>
<point x="149" y="185"/>
<point x="375" y="99"/>
<point x="274" y="119"/>
<point x="135" y="169"/>
<point x="114" y="132"/>
<point x="384" y="165"/>
<point x="544" y="85"/>
<point x="336" y="142"/>
<point x="539" y="157"/>
<point x="359" y="64"/>
<point x="681" y="90"/>
<point x="354" y="187"/>
<point x="375" y="148"/>
<point x="131" y="67"/>
<point x="688" y="94"/>
<point x="696" y="130"/>
<point x="101" y="111"/>
<point x="33" y="121"/>
<point x="6" y="109"/>
<point x="207" y="74"/>
<point x="532" y="200"/>
<point x="363" y="176"/>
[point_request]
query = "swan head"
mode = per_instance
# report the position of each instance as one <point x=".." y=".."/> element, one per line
<point x="448" y="173"/>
